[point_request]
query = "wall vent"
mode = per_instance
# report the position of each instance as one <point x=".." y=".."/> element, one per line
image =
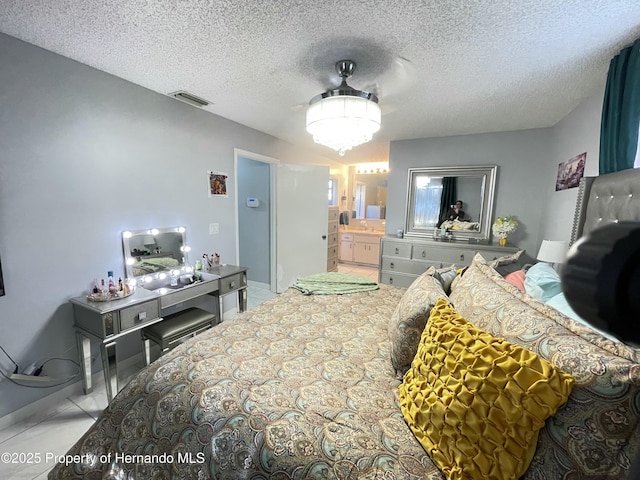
<point x="190" y="98"/>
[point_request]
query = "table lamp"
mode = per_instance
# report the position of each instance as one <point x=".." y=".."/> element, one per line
<point x="553" y="251"/>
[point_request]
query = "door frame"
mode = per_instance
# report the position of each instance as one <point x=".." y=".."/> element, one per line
<point x="237" y="152"/>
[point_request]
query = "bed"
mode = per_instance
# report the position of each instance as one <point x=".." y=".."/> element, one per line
<point x="316" y="387"/>
<point x="460" y="225"/>
<point x="157" y="263"/>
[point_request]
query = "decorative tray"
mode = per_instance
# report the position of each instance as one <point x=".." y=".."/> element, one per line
<point x="107" y="297"/>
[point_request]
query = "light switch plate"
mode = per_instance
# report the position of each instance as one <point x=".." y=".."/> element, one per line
<point x="214" y="228"/>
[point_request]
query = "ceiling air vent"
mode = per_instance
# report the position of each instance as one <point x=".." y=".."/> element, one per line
<point x="190" y="98"/>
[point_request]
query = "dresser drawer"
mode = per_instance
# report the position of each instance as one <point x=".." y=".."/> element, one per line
<point x="397" y="279"/>
<point x="332" y="227"/>
<point x="402" y="265"/>
<point x="332" y="239"/>
<point x="334" y="214"/>
<point x="346" y="237"/>
<point x="173" y="297"/>
<point x="332" y="264"/>
<point x="445" y="255"/>
<point x="332" y="251"/>
<point x="398" y="249"/>
<point x="375" y="239"/>
<point x="231" y="283"/>
<point x="138" y="314"/>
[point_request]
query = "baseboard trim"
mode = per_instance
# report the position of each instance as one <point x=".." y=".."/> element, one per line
<point x="72" y="389"/>
<point x="253" y="283"/>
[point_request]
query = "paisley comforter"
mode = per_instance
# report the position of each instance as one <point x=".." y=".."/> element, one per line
<point x="301" y="387"/>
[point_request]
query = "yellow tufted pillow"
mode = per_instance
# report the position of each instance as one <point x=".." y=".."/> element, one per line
<point x="476" y="402"/>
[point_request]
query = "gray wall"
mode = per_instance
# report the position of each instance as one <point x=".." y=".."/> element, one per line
<point x="521" y="156"/>
<point x="578" y="132"/>
<point x="83" y="156"/>
<point x="254" y="222"/>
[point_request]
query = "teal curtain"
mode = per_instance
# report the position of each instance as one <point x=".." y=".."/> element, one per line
<point x="449" y="194"/>
<point x="621" y="112"/>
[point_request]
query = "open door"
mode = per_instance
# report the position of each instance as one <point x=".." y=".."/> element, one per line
<point x="301" y="222"/>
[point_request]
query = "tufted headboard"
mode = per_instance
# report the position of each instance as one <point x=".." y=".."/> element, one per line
<point x="607" y="198"/>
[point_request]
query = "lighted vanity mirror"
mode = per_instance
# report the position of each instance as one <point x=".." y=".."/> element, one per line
<point x="154" y="252"/>
<point x="432" y="192"/>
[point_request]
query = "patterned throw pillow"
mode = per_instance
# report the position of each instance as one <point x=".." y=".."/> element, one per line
<point x="410" y="317"/>
<point x="476" y="402"/>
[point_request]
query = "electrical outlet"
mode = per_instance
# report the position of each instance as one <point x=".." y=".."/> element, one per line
<point x="214" y="228"/>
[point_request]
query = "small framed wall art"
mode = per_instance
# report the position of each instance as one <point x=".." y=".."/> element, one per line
<point x="217" y="183"/>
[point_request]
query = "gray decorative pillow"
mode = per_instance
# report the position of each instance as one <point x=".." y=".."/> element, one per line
<point x="446" y="276"/>
<point x="410" y="317"/>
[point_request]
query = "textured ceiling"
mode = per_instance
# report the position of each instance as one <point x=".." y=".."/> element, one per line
<point x="439" y="67"/>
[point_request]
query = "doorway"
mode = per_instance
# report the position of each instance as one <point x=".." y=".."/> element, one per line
<point x="295" y="242"/>
<point x="255" y="238"/>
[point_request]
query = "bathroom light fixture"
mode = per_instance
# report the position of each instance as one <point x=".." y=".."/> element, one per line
<point x="372" y="168"/>
<point x="553" y="251"/>
<point x="343" y="117"/>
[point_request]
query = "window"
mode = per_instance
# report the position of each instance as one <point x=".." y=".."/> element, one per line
<point x="333" y="191"/>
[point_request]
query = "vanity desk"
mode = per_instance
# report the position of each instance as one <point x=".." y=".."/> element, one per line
<point x="232" y="279"/>
<point x="110" y="321"/>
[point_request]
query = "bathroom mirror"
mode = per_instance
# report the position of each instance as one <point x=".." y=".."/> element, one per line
<point x="433" y="191"/>
<point x="368" y="194"/>
<point x="155" y="250"/>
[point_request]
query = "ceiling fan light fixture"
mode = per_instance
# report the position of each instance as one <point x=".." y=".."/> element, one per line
<point x="343" y="118"/>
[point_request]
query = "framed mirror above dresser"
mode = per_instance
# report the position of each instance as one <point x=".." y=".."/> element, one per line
<point x="432" y="193"/>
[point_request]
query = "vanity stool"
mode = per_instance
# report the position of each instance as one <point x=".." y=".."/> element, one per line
<point x="173" y="328"/>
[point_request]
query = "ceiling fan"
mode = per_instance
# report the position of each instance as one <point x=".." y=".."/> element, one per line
<point x="343" y="117"/>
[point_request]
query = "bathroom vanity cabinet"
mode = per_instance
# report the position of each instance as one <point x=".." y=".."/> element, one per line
<point x="360" y="247"/>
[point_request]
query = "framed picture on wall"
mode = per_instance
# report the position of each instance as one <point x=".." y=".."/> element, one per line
<point x="217" y="184"/>
<point x="570" y="172"/>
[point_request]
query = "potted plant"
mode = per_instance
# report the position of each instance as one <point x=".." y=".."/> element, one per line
<point x="503" y="226"/>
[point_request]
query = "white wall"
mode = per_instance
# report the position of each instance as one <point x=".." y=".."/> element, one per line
<point x="83" y="156"/>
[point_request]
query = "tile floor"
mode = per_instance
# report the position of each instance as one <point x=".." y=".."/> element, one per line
<point x="55" y="429"/>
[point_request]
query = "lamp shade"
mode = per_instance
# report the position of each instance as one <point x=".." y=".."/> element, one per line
<point x="553" y="251"/>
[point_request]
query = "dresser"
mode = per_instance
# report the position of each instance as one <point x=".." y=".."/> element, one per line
<point x="402" y="260"/>
<point x="332" y="239"/>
